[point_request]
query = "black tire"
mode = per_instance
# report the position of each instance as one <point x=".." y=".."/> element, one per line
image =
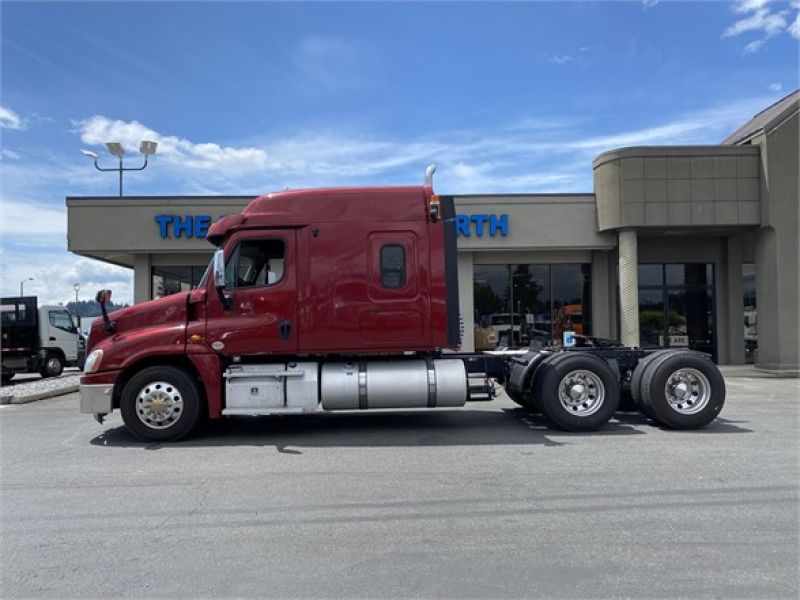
<point x="636" y="381"/>
<point x="695" y="405"/>
<point x="538" y="376"/>
<point x="158" y="385"/>
<point x="52" y="366"/>
<point x="596" y="410"/>
<point x="7" y="377"/>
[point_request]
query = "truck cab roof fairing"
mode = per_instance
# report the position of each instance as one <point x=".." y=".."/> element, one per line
<point x="220" y="229"/>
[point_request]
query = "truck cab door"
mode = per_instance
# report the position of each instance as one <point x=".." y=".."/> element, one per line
<point x="261" y="287"/>
<point x="58" y="330"/>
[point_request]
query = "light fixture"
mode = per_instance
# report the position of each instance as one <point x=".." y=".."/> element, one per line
<point x="148" y="147"/>
<point x="115" y="149"/>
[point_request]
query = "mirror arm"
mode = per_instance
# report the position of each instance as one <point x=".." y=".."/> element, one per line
<point x="227" y="301"/>
<point x="101" y="298"/>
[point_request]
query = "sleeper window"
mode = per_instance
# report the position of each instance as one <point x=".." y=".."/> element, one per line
<point x="393" y="266"/>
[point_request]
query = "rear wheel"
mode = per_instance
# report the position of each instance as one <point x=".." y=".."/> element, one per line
<point x="7" y="377"/>
<point x="576" y="391"/>
<point x="636" y="381"/>
<point x="683" y="390"/>
<point x="52" y="366"/>
<point x="160" y="404"/>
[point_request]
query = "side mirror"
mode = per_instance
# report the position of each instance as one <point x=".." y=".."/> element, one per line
<point x="218" y="276"/>
<point x="218" y="269"/>
<point x="102" y="297"/>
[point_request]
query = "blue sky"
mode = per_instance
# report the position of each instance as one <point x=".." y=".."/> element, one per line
<point x="246" y="98"/>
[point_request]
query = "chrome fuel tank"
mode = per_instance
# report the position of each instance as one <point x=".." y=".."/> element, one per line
<point x="412" y="383"/>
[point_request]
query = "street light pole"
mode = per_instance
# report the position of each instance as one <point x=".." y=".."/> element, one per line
<point x="22" y="285"/>
<point x="77" y="287"/>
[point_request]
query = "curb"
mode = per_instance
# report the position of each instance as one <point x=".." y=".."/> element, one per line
<point x="12" y="399"/>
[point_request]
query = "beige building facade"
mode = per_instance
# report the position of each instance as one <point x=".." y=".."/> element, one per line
<point x="678" y="246"/>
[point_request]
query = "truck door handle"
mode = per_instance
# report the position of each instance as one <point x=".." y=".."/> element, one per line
<point x="285" y="330"/>
<point x="52" y="338"/>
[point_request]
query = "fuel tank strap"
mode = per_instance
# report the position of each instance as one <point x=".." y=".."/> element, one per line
<point x="431" y="382"/>
<point x="362" y="384"/>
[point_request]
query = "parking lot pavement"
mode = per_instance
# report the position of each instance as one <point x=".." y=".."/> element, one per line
<point x="479" y="502"/>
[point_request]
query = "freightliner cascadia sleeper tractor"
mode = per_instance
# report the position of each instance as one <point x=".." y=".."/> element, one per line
<point x="347" y="299"/>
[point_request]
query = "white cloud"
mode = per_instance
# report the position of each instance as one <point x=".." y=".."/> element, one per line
<point x="34" y="245"/>
<point x="761" y="20"/>
<point x="560" y="59"/>
<point x="474" y="161"/>
<point x="775" y="87"/>
<point x="794" y="28"/>
<point x="758" y="16"/>
<point x="6" y="153"/>
<point x="754" y="47"/>
<point x="650" y="3"/>
<point x="23" y="219"/>
<point x="10" y="120"/>
<point x="746" y="6"/>
<point x="55" y="272"/>
<point x="201" y="156"/>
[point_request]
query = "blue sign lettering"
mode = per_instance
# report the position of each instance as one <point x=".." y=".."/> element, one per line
<point x="498" y="224"/>
<point x="462" y="225"/>
<point x="465" y="224"/>
<point x="189" y="226"/>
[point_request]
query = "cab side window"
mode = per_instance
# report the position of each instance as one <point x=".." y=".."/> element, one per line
<point x="62" y="320"/>
<point x="256" y="263"/>
<point x="393" y="266"/>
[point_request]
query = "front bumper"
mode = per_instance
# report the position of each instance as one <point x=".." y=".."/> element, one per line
<point x="97" y="398"/>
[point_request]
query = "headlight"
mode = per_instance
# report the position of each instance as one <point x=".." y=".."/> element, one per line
<point x="93" y="361"/>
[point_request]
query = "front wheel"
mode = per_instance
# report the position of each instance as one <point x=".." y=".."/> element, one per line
<point x="53" y="366"/>
<point x="160" y="404"/>
<point x="577" y="392"/>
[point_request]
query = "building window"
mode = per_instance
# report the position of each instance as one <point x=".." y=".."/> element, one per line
<point x="393" y="266"/>
<point x="750" y="313"/>
<point x="168" y="280"/>
<point x="676" y="306"/>
<point x="520" y="304"/>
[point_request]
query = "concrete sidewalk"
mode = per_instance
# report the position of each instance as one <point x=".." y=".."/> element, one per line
<point x="39" y="389"/>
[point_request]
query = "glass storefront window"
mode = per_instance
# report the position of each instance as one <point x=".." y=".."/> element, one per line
<point x="171" y="280"/>
<point x="651" y="317"/>
<point x="678" y="313"/>
<point x="750" y="313"/>
<point x="571" y="291"/>
<point x="651" y="275"/>
<point x="520" y="304"/>
<point x="531" y="296"/>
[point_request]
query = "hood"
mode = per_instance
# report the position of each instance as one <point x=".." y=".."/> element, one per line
<point x="161" y="311"/>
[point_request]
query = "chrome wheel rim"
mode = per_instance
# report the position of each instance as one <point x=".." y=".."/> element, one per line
<point x="688" y="391"/>
<point x="159" y="405"/>
<point x="52" y="365"/>
<point x="581" y="393"/>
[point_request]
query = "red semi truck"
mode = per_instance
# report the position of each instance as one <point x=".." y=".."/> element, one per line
<point x="347" y="299"/>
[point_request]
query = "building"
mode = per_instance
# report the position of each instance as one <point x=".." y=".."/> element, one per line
<point x="687" y="246"/>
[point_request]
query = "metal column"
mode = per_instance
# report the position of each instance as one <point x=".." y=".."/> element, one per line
<point x="628" y="288"/>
